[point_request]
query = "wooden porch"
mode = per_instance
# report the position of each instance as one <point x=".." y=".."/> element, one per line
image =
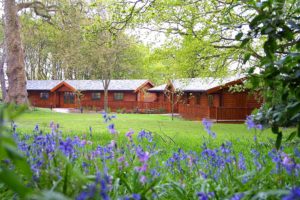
<point x="217" y="114"/>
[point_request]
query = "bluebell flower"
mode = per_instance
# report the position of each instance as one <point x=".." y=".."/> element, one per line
<point x="207" y="126"/>
<point x="103" y="191"/>
<point x="66" y="146"/>
<point x="251" y="124"/>
<point x="204" y="175"/>
<point x="106" y="117"/>
<point x="36" y="128"/>
<point x="293" y="195"/>
<point x="129" y="134"/>
<point x="111" y="129"/>
<point x="256" y="158"/>
<point x="204" y="196"/>
<point x="297" y="152"/>
<point x="288" y="163"/>
<point x="136" y="196"/>
<point x="144" y="134"/>
<point x="242" y="163"/>
<point x="237" y="196"/>
<point x="224" y="149"/>
<point x="154" y="173"/>
<point x="83" y="196"/>
<point x="143" y="179"/>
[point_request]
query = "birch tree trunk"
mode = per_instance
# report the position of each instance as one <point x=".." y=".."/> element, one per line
<point x="17" y="92"/>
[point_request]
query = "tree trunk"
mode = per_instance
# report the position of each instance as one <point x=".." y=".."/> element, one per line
<point x="105" y="87"/>
<point x="17" y="92"/>
<point x="106" y="100"/>
<point x="2" y="76"/>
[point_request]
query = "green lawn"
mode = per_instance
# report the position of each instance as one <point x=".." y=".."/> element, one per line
<point x="178" y="133"/>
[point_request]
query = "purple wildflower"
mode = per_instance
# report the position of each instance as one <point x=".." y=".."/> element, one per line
<point x="104" y="190"/>
<point x="147" y="135"/>
<point x="36" y="128"/>
<point x="224" y="149"/>
<point x="106" y="117"/>
<point x="129" y="134"/>
<point x="203" y="174"/>
<point x="204" y="196"/>
<point x="136" y="196"/>
<point x="207" y="126"/>
<point x="237" y="196"/>
<point x="241" y="163"/>
<point x="288" y="163"/>
<point x="144" y="156"/>
<point x="143" y="179"/>
<point x="67" y="146"/>
<point x="293" y="195"/>
<point x="256" y="159"/>
<point x="251" y="124"/>
<point x="121" y="159"/>
<point x="111" y="129"/>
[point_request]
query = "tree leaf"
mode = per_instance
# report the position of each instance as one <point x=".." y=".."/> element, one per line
<point x="244" y="42"/>
<point x="13" y="182"/>
<point x="246" y="58"/>
<point x="239" y="36"/>
<point x="291" y="136"/>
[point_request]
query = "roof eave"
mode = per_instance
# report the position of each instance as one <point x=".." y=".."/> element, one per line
<point x="220" y="87"/>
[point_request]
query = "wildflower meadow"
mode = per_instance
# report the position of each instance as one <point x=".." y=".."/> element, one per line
<point x="133" y="165"/>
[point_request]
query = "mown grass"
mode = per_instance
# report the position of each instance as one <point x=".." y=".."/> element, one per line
<point x="178" y="133"/>
<point x="180" y="173"/>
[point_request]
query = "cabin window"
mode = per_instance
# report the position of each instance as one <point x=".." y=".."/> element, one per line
<point x="69" y="97"/>
<point x="44" y="95"/>
<point x="210" y="100"/>
<point x="118" y="96"/>
<point x="96" y="95"/>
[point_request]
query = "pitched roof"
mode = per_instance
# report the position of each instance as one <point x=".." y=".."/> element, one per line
<point x="195" y="84"/>
<point x="116" y="85"/>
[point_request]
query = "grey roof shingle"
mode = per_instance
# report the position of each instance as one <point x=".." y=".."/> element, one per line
<point x="195" y="84"/>
<point x="115" y="85"/>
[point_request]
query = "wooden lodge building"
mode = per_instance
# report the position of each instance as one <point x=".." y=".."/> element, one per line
<point x="122" y="94"/>
<point x="199" y="98"/>
<point x="195" y="98"/>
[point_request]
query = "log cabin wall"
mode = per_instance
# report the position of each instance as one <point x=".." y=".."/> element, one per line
<point x="220" y="106"/>
<point x="233" y="106"/>
<point x="35" y="99"/>
<point x="194" y="105"/>
<point x="129" y="102"/>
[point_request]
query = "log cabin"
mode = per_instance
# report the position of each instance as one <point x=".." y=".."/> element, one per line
<point x="211" y="98"/>
<point x="122" y="94"/>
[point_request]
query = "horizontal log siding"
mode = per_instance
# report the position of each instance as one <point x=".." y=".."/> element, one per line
<point x="230" y="114"/>
<point x="36" y="101"/>
<point x="195" y="112"/>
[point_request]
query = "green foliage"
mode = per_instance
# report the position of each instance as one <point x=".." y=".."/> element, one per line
<point x="279" y="77"/>
<point x="77" y="44"/>
<point x="9" y="152"/>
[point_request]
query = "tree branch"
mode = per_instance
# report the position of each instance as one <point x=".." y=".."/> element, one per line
<point x="39" y="8"/>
